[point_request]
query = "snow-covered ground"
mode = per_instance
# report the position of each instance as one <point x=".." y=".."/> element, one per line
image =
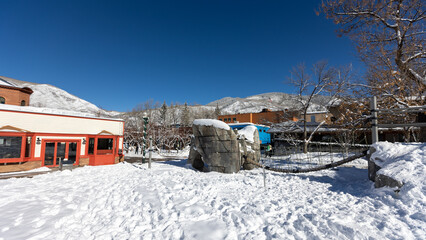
<point x="173" y="201"/>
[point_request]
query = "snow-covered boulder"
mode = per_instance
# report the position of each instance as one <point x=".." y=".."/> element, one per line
<point x="249" y="146"/>
<point x="399" y="165"/>
<point x="216" y="147"/>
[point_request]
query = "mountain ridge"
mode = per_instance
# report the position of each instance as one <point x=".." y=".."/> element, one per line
<point x="49" y="96"/>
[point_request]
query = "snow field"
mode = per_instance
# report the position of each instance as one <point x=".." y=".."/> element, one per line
<point x="173" y="201"/>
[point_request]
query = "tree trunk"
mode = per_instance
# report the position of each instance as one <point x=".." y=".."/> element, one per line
<point x="305" y="135"/>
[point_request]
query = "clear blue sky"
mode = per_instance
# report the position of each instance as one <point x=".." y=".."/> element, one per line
<point x="117" y="54"/>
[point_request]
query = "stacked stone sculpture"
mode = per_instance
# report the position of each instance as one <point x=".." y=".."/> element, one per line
<point x="216" y="147"/>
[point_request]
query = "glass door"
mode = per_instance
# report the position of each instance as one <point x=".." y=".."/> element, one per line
<point x="71" y="153"/>
<point x="60" y="152"/>
<point x="56" y="151"/>
<point x="49" y="153"/>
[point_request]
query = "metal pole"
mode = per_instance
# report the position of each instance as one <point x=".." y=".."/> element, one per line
<point x="143" y="151"/>
<point x="150" y="152"/>
<point x="145" y="123"/>
<point x="374" y="127"/>
<point x="264" y="178"/>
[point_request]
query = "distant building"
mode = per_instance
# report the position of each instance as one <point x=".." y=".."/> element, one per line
<point x="265" y="117"/>
<point x="14" y="95"/>
<point x="317" y="117"/>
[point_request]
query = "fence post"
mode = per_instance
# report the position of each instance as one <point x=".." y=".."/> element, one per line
<point x="374" y="127"/>
<point x="145" y="123"/>
<point x="150" y="152"/>
<point x="60" y="164"/>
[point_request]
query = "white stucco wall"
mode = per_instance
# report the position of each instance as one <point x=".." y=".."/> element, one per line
<point x="44" y="123"/>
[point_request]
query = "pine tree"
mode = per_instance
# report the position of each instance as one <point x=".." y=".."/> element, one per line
<point x="217" y="111"/>
<point x="185" y="115"/>
<point x="163" y="113"/>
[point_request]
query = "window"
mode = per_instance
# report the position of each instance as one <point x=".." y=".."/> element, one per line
<point x="10" y="147"/>
<point x="234" y="119"/>
<point x="91" y="145"/>
<point x="220" y="119"/>
<point x="2" y="100"/>
<point x="23" y="103"/>
<point x="312" y="118"/>
<point x="224" y="119"/>
<point x="105" y="143"/>
<point x="229" y="119"/>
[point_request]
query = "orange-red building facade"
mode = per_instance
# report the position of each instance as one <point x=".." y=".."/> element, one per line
<point x="266" y="117"/>
<point x="30" y="139"/>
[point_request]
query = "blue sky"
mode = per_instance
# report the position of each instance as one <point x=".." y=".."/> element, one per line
<point x="117" y="54"/>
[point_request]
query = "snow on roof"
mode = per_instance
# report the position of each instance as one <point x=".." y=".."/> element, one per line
<point x="6" y="83"/>
<point x="240" y="123"/>
<point x="247" y="123"/>
<point x="211" y="122"/>
<point x="317" y="112"/>
<point x="248" y="132"/>
<point x="297" y="127"/>
<point x="51" y="111"/>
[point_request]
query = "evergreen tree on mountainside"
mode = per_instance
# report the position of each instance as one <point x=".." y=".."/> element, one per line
<point x="163" y="113"/>
<point x="217" y="111"/>
<point x="185" y="116"/>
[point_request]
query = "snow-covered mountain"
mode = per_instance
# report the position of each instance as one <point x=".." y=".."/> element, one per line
<point x="48" y="96"/>
<point x="274" y="101"/>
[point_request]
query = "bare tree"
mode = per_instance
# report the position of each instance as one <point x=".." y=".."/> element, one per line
<point x="390" y="38"/>
<point x="323" y="80"/>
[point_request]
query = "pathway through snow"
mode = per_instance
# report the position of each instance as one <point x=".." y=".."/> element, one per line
<point x="172" y="201"/>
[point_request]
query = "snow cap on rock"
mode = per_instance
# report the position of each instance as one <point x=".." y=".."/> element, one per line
<point x="211" y="122"/>
<point x="248" y="132"/>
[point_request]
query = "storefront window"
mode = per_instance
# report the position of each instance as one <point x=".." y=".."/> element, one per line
<point x="105" y="143"/>
<point x="10" y="147"/>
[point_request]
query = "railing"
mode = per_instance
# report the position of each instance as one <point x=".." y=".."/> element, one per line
<point x="374" y="118"/>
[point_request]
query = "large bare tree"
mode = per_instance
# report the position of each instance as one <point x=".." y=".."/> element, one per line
<point x="320" y="80"/>
<point x="390" y="38"/>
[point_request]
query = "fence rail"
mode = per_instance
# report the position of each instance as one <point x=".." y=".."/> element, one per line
<point x="374" y="118"/>
<point x="326" y="143"/>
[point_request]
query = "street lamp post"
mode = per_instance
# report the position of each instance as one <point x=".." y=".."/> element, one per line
<point x="145" y="123"/>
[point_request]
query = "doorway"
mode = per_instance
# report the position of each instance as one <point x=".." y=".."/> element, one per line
<point x="56" y="151"/>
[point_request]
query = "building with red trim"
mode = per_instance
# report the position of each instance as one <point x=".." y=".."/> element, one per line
<point x="14" y="95"/>
<point x="30" y="139"/>
<point x="265" y="117"/>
